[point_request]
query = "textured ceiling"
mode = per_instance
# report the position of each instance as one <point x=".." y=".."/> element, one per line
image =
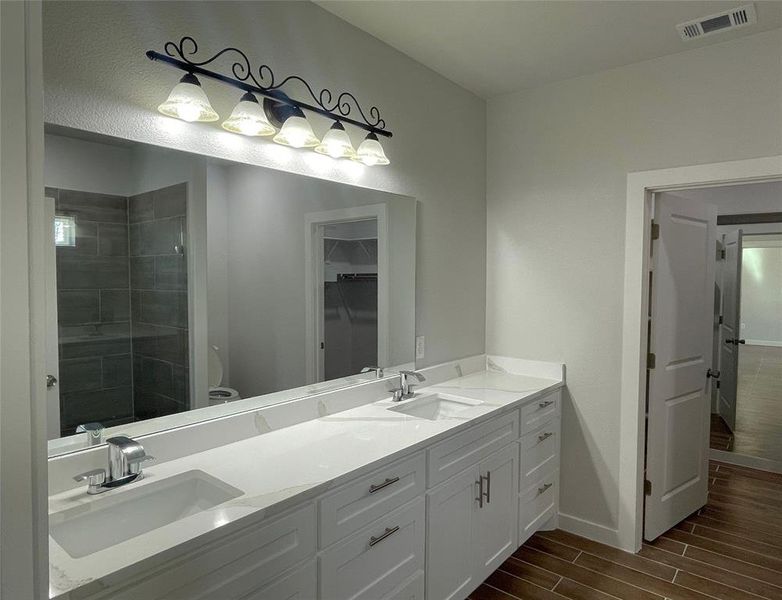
<point x="492" y="47"/>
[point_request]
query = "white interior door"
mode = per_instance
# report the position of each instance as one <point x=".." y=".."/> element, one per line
<point x="681" y="335"/>
<point x="52" y="336"/>
<point x="730" y="329"/>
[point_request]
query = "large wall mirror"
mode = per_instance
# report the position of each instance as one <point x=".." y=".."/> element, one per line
<point x="183" y="288"/>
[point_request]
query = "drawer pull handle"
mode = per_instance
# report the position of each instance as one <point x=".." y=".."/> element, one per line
<point x="380" y="486"/>
<point x="544" y="488"/>
<point x="388" y="532"/>
<point x="546" y="403"/>
<point x="481" y="493"/>
<point x="545" y="436"/>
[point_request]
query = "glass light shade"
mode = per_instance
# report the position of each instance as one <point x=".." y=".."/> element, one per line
<point x="187" y="101"/>
<point x="296" y="132"/>
<point x="248" y="118"/>
<point x="336" y="143"/>
<point x="371" y="153"/>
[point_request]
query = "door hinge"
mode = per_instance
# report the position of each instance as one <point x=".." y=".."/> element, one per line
<point x="718" y="384"/>
<point x="720" y="320"/>
<point x="655" y="231"/>
<point x="647" y="487"/>
<point x="651" y="360"/>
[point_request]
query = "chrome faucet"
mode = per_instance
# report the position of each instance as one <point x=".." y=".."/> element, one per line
<point x="378" y="371"/>
<point x="405" y="390"/>
<point x="125" y="458"/>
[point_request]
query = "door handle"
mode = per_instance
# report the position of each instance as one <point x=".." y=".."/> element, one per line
<point x="735" y="341"/>
<point x="545" y="403"/>
<point x="545" y="436"/>
<point x="377" y="487"/>
<point x="51" y="381"/>
<point x="479" y="483"/>
<point x="544" y="488"/>
<point x="713" y="373"/>
<point x="488" y="486"/>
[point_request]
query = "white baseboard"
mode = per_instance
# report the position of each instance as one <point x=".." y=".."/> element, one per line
<point x="590" y="530"/>
<point x="745" y="460"/>
<point x="776" y="343"/>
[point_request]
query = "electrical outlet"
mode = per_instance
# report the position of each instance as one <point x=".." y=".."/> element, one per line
<point x="420" y="347"/>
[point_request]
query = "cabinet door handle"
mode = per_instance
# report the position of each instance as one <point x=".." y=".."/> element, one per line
<point x="388" y="532"/>
<point x="488" y="487"/>
<point x="479" y="483"/>
<point x="380" y="486"/>
<point x="545" y="436"/>
<point x="544" y="488"/>
<point x="546" y="403"/>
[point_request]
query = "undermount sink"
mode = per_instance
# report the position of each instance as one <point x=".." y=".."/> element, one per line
<point x="435" y="406"/>
<point x="127" y="513"/>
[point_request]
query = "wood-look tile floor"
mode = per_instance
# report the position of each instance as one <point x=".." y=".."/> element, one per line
<point x="731" y="549"/>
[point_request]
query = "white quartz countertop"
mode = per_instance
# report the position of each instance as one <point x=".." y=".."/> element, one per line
<point x="280" y="469"/>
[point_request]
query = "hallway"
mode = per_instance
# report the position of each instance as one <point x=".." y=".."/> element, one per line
<point x="730" y="550"/>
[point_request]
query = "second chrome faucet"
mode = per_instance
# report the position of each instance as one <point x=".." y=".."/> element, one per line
<point x="405" y="390"/>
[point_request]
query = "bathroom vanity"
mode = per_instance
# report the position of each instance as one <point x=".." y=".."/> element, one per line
<point x="421" y="498"/>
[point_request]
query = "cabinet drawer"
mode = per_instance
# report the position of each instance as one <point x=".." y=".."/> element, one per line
<point x="373" y="562"/>
<point x="457" y="453"/>
<point x="537" y="505"/>
<point x="412" y="589"/>
<point x="232" y="567"/>
<point x="535" y="414"/>
<point x="300" y="584"/>
<point x="539" y="453"/>
<point x="360" y="502"/>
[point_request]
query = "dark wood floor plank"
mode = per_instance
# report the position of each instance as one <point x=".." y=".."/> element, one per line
<point x="613" y="554"/>
<point x="575" y="591"/>
<point x="519" y="588"/>
<point x="641" y="580"/>
<point x="552" y="547"/>
<point x="769" y="561"/>
<point x="484" y="592"/>
<point x="747" y="473"/>
<point x="738" y="517"/>
<point x="708" y="571"/>
<point x="584" y="576"/>
<point x="531" y="573"/>
<point x="736" y="566"/>
<point x="747" y="531"/>
<point x="754" y="545"/>
<point x="711" y="587"/>
<point x="668" y="545"/>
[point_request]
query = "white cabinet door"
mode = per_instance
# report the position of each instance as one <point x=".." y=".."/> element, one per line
<point x="496" y="531"/>
<point x="450" y="554"/>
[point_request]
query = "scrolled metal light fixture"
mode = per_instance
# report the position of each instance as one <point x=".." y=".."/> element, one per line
<point x="279" y="110"/>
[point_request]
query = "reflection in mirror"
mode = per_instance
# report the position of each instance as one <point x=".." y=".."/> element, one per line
<point x="179" y="282"/>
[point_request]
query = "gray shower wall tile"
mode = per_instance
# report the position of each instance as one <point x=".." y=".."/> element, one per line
<point x="154" y="375"/>
<point x="114" y="306"/>
<point x="80" y="375"/>
<point x="171" y="272"/>
<point x="141" y="208"/>
<point x="181" y="382"/>
<point x="77" y="307"/>
<point x="100" y="405"/>
<point x="142" y="272"/>
<point x="170" y="201"/>
<point x="149" y="405"/>
<point x="112" y="239"/>
<point x="164" y="308"/>
<point x="157" y="237"/>
<point x="103" y="208"/>
<point x="102" y="340"/>
<point x="91" y="272"/>
<point x="117" y="371"/>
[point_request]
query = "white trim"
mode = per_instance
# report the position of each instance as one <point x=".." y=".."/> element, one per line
<point x="313" y="274"/>
<point x="589" y="529"/>
<point x="745" y="460"/>
<point x="764" y="343"/>
<point x="634" y="333"/>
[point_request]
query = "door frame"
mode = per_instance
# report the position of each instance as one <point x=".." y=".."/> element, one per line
<point x="313" y="281"/>
<point x="641" y="186"/>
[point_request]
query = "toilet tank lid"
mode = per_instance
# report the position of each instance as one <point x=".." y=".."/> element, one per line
<point x="214" y="367"/>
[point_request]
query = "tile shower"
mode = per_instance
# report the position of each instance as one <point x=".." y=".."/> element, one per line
<point x="122" y="307"/>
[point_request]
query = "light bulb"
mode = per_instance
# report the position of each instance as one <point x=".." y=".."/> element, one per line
<point x="249" y="118"/>
<point x="371" y="153"/>
<point x="187" y="101"/>
<point x="296" y="132"/>
<point x="336" y="143"/>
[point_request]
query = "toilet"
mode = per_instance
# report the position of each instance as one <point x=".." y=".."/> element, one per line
<point x="218" y="394"/>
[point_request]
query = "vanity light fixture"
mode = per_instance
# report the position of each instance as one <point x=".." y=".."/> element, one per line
<point x="188" y="101"/>
<point x="371" y="153"/>
<point x="336" y="143"/>
<point x="249" y="118"/>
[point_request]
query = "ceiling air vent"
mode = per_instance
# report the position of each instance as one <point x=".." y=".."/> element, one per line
<point x="729" y="19"/>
